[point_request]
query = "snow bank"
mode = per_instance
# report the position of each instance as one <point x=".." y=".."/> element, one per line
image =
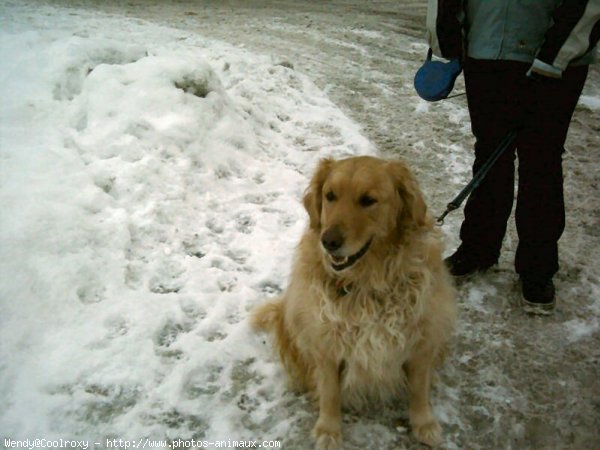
<point x="150" y="186"/>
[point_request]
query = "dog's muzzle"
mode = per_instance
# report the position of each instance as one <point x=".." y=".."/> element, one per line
<point x="351" y="260"/>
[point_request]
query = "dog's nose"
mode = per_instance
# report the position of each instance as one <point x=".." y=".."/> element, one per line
<point x="332" y="239"/>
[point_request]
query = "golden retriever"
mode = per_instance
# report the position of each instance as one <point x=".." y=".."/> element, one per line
<point x="370" y="306"/>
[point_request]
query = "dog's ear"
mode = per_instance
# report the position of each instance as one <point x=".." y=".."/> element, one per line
<point x="313" y="196"/>
<point x="413" y="211"/>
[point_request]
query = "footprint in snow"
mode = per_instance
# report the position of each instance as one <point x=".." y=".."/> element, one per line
<point x="203" y="381"/>
<point x="116" y="326"/>
<point x="194" y="247"/>
<point x="244" y="223"/>
<point x="91" y="293"/>
<point x="167" y="278"/>
<point x="167" y="335"/>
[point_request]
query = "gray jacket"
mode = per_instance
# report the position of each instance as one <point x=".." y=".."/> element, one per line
<point x="550" y="34"/>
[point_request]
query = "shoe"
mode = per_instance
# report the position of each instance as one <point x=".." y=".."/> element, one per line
<point x="462" y="263"/>
<point x="538" y="295"/>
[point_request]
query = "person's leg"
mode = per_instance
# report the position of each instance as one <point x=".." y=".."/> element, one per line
<point x="494" y="106"/>
<point x="540" y="213"/>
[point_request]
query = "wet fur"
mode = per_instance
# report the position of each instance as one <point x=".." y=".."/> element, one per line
<point x="393" y="326"/>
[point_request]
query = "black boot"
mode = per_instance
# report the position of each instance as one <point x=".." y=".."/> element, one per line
<point x="464" y="262"/>
<point x="538" y="294"/>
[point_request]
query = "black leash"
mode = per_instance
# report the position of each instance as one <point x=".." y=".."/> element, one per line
<point x="456" y="95"/>
<point x="506" y="142"/>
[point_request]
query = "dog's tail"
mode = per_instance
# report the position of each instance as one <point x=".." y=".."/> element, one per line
<point x="269" y="317"/>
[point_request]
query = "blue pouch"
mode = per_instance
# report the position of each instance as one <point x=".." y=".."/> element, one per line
<point x="435" y="79"/>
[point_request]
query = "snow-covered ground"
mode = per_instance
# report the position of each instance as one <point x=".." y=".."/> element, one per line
<point x="152" y="159"/>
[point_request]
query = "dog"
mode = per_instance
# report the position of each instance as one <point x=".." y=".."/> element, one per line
<point x="370" y="306"/>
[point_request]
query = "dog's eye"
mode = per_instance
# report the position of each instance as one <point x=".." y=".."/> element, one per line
<point x="330" y="196"/>
<point x="366" y="200"/>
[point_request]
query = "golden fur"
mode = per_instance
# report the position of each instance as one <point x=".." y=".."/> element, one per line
<point x="364" y="332"/>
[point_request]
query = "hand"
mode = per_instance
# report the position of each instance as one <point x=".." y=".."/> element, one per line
<point x="538" y="77"/>
<point x="435" y="79"/>
<point x="540" y="70"/>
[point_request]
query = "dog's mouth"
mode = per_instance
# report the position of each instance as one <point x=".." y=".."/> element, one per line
<point x="343" y="262"/>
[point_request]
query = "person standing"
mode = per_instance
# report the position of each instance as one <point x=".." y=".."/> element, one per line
<point x="525" y="64"/>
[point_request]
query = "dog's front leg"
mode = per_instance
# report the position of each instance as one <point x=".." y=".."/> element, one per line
<point x="327" y="431"/>
<point x="419" y="371"/>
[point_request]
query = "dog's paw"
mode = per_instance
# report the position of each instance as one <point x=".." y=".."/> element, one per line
<point x="429" y="433"/>
<point x="328" y="436"/>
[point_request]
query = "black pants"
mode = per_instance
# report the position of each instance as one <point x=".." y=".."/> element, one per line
<point x="501" y="97"/>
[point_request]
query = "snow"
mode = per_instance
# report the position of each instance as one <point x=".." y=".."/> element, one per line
<point x="590" y="101"/>
<point x="150" y="185"/>
<point x="153" y="188"/>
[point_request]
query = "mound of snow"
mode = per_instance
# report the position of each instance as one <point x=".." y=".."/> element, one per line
<point x="151" y="194"/>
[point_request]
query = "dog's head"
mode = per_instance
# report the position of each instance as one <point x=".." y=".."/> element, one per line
<point x="356" y="202"/>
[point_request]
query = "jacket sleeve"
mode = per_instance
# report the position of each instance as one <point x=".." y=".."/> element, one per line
<point x="444" y="29"/>
<point x="575" y="31"/>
